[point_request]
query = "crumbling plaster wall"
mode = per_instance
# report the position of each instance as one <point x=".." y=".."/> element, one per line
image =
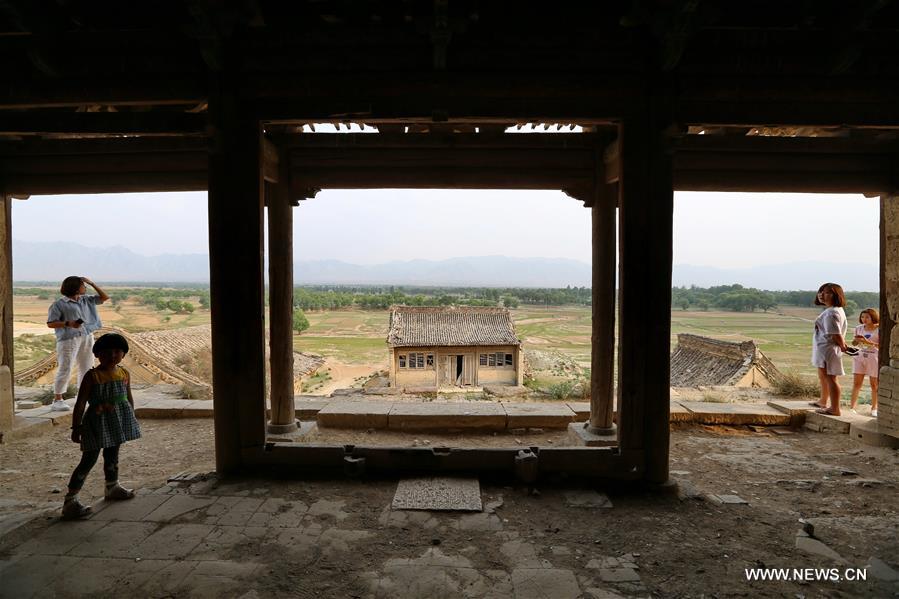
<point x="888" y="393"/>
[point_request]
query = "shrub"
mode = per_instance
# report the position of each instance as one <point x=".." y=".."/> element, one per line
<point x="197" y="363"/>
<point x="561" y="390"/>
<point x="793" y="384"/>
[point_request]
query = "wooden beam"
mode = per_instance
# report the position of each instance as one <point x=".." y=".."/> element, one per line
<point x="104" y="165"/>
<point x="106" y="182"/>
<point x="96" y="146"/>
<point x="438" y="141"/>
<point x="236" y="281"/>
<point x="600" y="462"/>
<point x="271" y="156"/>
<point x="782" y="164"/>
<point x="153" y="90"/>
<point x="33" y="122"/>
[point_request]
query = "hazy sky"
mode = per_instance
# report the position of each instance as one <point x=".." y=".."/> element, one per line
<point x="367" y="227"/>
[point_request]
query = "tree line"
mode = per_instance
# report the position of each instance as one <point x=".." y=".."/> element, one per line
<point x="737" y="298"/>
<point x="380" y="297"/>
<point x="319" y="297"/>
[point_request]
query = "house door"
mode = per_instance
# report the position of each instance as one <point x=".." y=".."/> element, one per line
<point x="457" y="370"/>
<point x="447" y="370"/>
<point x="468" y="369"/>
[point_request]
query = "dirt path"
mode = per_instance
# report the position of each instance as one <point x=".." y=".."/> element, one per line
<point x="343" y="375"/>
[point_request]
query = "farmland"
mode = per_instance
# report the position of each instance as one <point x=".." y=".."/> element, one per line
<point x="357" y="337"/>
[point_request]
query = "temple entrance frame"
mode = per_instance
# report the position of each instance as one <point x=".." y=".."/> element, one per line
<point x="634" y="161"/>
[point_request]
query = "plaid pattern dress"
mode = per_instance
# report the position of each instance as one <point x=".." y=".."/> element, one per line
<point x="108" y="419"/>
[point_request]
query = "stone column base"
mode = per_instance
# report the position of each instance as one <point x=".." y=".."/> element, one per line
<point x="581" y="434"/>
<point x="281" y="429"/>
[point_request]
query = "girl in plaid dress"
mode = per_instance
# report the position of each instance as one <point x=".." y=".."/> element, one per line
<point x="103" y="420"/>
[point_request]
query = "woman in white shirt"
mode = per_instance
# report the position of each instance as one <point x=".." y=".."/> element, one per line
<point x="828" y="345"/>
<point x="867" y="362"/>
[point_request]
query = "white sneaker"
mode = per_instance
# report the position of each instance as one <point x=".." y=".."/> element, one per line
<point x="59" y="406"/>
<point x="853" y="411"/>
<point x="873" y="413"/>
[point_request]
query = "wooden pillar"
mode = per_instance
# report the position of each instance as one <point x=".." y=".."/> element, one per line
<point x="280" y="299"/>
<point x="235" y="272"/>
<point x="7" y="396"/>
<point x="602" y="341"/>
<point x="645" y="209"/>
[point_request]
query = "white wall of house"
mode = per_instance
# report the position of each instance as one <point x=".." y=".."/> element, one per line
<point x="494" y="365"/>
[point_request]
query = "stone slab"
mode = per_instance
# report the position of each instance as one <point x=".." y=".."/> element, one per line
<point x="447" y="416"/>
<point x="540" y="583"/>
<point x="581" y="410"/>
<point x="354" y="414"/>
<point x="383" y="391"/>
<point x="161" y="408"/>
<point x="438" y="494"/>
<point x="198" y="409"/>
<point x="25" y="428"/>
<point x="506" y="390"/>
<point x="870" y="433"/>
<point x="825" y="423"/>
<point x="735" y="413"/>
<point x="27" y="404"/>
<point x="307" y="408"/>
<point x="678" y="413"/>
<point x="420" y="389"/>
<point x="537" y="415"/>
<point x="60" y="418"/>
<point x="813" y="546"/>
<point x="797" y="409"/>
<point x="792" y="406"/>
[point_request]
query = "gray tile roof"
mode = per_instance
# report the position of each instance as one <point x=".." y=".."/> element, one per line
<point x="413" y="326"/>
<point x="703" y="361"/>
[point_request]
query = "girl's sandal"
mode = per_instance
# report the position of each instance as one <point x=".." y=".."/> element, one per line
<point x="118" y="493"/>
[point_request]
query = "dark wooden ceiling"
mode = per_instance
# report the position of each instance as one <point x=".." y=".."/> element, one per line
<point x="130" y="81"/>
<point x="102" y="55"/>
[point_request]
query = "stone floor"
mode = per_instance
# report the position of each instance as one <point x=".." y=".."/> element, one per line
<point x="251" y="539"/>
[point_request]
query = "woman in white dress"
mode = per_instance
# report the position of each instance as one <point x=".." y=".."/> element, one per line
<point x="867" y="362"/>
<point x="828" y="346"/>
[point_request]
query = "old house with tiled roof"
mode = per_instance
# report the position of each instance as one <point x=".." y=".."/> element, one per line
<point x="452" y="346"/>
<point x="699" y="361"/>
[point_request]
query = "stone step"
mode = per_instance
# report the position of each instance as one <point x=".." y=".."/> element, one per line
<point x="797" y="409"/>
<point x="448" y="416"/>
<point x="735" y="413"/>
<point x="826" y="423"/>
<point x="870" y="433"/>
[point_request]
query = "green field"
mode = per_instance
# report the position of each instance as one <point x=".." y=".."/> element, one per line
<point x="355" y="336"/>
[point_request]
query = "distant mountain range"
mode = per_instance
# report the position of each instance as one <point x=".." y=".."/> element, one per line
<point x="52" y="261"/>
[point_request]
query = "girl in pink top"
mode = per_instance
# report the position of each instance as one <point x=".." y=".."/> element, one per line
<point x="866" y="363"/>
